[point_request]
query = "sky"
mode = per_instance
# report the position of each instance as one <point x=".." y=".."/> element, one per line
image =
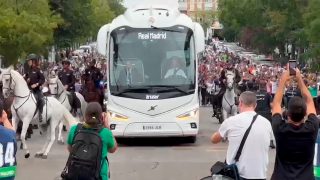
<point x="129" y="3"/>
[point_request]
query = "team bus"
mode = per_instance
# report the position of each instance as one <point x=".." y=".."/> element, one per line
<point x="152" y="52"/>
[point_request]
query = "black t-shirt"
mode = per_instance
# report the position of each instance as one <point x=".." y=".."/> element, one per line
<point x="263" y="102"/>
<point x="295" y="148"/>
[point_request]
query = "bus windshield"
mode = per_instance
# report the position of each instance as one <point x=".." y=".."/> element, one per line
<point x="152" y="61"/>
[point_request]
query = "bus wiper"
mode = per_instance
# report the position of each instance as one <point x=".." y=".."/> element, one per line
<point x="134" y="90"/>
<point x="164" y="29"/>
<point x="169" y="88"/>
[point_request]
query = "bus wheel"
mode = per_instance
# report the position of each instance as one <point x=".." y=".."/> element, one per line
<point x="207" y="178"/>
<point x="192" y="139"/>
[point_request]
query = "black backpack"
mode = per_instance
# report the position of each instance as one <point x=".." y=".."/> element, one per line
<point x="84" y="162"/>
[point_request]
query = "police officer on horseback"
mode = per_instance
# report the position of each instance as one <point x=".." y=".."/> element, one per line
<point x="67" y="78"/>
<point x="92" y="73"/>
<point x="230" y="67"/>
<point x="35" y="79"/>
<point x="223" y="78"/>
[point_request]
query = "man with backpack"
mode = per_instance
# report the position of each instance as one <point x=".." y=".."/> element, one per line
<point x="89" y="144"/>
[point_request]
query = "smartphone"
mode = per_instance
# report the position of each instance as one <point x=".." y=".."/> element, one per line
<point x="292" y="67"/>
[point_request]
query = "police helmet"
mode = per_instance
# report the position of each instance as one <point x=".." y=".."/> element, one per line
<point x="32" y="57"/>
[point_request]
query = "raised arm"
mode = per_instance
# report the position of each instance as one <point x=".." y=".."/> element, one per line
<point x="276" y="103"/>
<point x="305" y="94"/>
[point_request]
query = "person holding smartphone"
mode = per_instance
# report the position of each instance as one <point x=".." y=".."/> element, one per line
<point x="8" y="147"/>
<point x="296" y="137"/>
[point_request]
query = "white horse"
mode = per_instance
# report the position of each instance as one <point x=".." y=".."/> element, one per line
<point x="24" y="108"/>
<point x="57" y="89"/>
<point x="229" y="107"/>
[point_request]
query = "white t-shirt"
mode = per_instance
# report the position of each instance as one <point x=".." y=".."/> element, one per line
<point x="254" y="159"/>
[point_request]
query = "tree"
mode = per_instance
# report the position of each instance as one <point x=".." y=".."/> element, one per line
<point x="264" y="24"/>
<point x="82" y="19"/>
<point x="116" y="6"/>
<point x="76" y="15"/>
<point x="312" y="29"/>
<point x="102" y="14"/>
<point x="25" y="27"/>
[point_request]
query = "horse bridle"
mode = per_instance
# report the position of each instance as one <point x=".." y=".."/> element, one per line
<point x="231" y="105"/>
<point x="57" y="94"/>
<point x="10" y="83"/>
<point x="11" y="89"/>
<point x="232" y="78"/>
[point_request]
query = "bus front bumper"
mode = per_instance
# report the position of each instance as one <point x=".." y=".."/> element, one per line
<point x="155" y="129"/>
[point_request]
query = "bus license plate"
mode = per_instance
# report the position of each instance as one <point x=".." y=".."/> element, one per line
<point x="151" y="127"/>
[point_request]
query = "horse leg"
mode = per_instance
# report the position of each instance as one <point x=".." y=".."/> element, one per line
<point x="60" y="138"/>
<point x="39" y="154"/>
<point x="224" y="114"/>
<point x="51" y="137"/>
<point x="25" y="126"/>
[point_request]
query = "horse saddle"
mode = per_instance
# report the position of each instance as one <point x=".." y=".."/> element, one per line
<point x="74" y="101"/>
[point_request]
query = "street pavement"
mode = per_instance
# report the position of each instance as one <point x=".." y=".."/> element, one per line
<point x="140" y="159"/>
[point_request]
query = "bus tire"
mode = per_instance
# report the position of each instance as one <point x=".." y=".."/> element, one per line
<point x="192" y="139"/>
<point x="207" y="178"/>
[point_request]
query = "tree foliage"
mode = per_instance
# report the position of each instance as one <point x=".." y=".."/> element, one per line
<point x="264" y="25"/>
<point x="82" y="19"/>
<point x="25" y="26"/>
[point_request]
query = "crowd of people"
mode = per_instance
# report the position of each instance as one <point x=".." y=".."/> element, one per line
<point x="250" y="76"/>
<point x="273" y="106"/>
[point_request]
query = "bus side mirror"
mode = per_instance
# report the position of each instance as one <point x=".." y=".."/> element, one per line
<point x="102" y="40"/>
<point x="199" y="38"/>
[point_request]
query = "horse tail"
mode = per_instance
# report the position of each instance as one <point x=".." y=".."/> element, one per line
<point x="69" y="119"/>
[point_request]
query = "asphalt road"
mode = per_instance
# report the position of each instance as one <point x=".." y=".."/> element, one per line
<point x="140" y="159"/>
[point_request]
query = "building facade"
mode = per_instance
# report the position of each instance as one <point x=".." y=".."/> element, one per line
<point x="193" y="7"/>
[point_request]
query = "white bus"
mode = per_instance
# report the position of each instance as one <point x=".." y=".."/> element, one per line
<point x="152" y="52"/>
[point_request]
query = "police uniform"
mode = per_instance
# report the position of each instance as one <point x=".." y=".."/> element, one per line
<point x="93" y="74"/>
<point x="36" y="76"/>
<point x="263" y="104"/>
<point x="67" y="77"/>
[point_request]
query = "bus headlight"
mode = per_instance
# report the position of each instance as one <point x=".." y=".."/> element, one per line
<point x="188" y="115"/>
<point x="117" y="117"/>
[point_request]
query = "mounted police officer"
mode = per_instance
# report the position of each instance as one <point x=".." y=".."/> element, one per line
<point x="28" y="64"/>
<point x="223" y="78"/>
<point x="67" y="78"/>
<point x="93" y="74"/>
<point x="35" y="79"/>
<point x="230" y="67"/>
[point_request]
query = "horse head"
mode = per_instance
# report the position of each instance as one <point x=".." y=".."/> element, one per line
<point x="230" y="75"/>
<point x="55" y="85"/>
<point x="8" y="83"/>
